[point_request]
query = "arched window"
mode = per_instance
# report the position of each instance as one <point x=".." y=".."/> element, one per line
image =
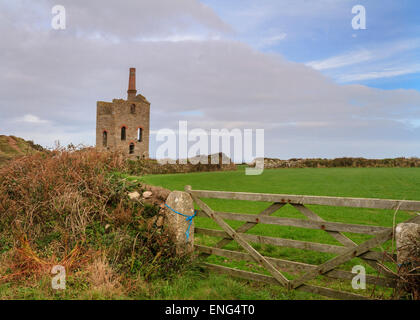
<point x="139" y="134"/>
<point x="133" y="109"/>
<point x="105" y="138"/>
<point x="123" y="133"/>
<point x="131" y="149"/>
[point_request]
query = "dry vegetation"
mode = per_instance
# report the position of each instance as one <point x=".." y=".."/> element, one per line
<point x="70" y="207"/>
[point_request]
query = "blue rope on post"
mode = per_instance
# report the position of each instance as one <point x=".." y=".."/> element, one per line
<point x="189" y="219"/>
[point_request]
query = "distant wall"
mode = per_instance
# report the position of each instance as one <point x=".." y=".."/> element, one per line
<point x="152" y="166"/>
<point x="340" y="162"/>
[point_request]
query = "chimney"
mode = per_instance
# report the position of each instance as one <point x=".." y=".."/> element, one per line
<point x="132" y="85"/>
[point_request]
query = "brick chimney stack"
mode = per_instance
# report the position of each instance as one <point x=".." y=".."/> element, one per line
<point x="132" y="92"/>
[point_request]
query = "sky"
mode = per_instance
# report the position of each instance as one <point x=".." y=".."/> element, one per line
<point x="295" y="68"/>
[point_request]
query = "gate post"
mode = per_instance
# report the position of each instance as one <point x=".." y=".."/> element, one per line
<point x="181" y="207"/>
<point x="407" y="239"/>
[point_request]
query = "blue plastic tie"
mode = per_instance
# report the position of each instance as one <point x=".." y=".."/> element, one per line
<point x="189" y="219"/>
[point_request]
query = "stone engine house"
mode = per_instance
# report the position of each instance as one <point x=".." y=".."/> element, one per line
<point x="124" y="125"/>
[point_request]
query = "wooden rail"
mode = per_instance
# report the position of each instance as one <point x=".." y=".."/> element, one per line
<point x="293" y="266"/>
<point x="346" y="252"/>
<point x="326" y="226"/>
<point x="327" y="292"/>
<point x="409" y="205"/>
<point x="297" y="244"/>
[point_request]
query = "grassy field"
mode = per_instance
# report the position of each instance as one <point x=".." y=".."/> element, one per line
<point x="391" y="183"/>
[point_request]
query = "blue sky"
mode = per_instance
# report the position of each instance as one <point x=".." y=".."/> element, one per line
<point x="384" y="55"/>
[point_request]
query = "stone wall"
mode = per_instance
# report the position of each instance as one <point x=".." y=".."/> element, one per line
<point x="271" y="163"/>
<point x="151" y="166"/>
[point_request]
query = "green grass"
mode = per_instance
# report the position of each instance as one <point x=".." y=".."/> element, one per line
<point x="391" y="183"/>
<point x="385" y="183"/>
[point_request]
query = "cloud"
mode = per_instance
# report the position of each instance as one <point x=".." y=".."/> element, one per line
<point x="341" y="60"/>
<point x="29" y="118"/>
<point x="384" y="73"/>
<point x="272" y="40"/>
<point x="179" y="38"/>
<point x="218" y="83"/>
<point x="371" y="63"/>
<point x="134" y="19"/>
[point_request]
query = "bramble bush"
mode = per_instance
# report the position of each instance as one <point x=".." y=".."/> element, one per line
<point x="52" y="204"/>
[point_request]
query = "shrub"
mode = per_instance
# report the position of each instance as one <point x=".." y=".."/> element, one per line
<point x="73" y="198"/>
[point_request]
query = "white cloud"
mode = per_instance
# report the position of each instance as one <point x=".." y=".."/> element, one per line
<point x="371" y="63"/>
<point x="272" y="40"/>
<point x="29" y="118"/>
<point x="342" y="60"/>
<point x="180" y="38"/>
<point x="133" y="19"/>
<point x="383" y="73"/>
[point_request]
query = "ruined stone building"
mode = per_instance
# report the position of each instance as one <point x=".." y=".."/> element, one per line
<point x="124" y="124"/>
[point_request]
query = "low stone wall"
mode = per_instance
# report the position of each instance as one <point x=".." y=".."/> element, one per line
<point x="152" y="166"/>
<point x="271" y="163"/>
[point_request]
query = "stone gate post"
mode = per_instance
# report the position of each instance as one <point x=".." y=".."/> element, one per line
<point x="178" y="224"/>
<point x="408" y="238"/>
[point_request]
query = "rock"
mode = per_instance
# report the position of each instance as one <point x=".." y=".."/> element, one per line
<point x="157" y="195"/>
<point x="147" y="194"/>
<point x="159" y="222"/>
<point x="134" y="195"/>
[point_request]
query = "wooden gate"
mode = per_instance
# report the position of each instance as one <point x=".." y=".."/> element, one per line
<point x="274" y="266"/>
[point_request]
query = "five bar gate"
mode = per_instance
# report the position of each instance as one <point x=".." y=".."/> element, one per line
<point x="346" y="252"/>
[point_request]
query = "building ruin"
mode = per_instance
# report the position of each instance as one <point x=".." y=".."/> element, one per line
<point x="124" y="125"/>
